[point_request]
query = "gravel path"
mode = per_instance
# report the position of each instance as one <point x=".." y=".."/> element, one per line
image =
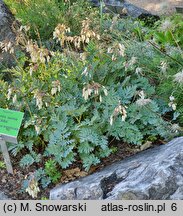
<point x="158" y="6"/>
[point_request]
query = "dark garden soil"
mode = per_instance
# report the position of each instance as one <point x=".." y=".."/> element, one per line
<point x="11" y="185"/>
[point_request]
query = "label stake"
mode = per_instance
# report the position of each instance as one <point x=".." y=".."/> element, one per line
<point x="6" y="155"/>
<point x="10" y="122"/>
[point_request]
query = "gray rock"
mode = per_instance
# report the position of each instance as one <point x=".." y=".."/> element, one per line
<point x="124" y="8"/>
<point x="6" y="32"/>
<point x="153" y="174"/>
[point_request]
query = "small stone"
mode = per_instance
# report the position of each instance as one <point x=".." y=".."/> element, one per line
<point x="3" y="196"/>
<point x="4" y="180"/>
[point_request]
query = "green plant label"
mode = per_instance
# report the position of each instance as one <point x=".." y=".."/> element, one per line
<point x="10" y="122"/>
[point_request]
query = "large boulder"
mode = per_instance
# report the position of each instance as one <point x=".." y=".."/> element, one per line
<point x="125" y="9"/>
<point x="153" y="174"/>
<point x="6" y="33"/>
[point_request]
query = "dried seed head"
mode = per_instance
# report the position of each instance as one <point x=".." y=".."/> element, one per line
<point x="14" y="98"/>
<point x="121" y="50"/>
<point x="119" y="110"/>
<point x="166" y="25"/>
<point x="56" y="87"/>
<point x="142" y="102"/>
<point x="138" y="70"/>
<point x="33" y="188"/>
<point x="93" y="88"/>
<point x="179" y="77"/>
<point x="37" y="54"/>
<point x="163" y="66"/>
<point x="39" y="99"/>
<point x="7" y="46"/>
<point x="10" y="90"/>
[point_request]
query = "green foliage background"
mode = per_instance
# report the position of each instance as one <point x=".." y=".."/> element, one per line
<point x="67" y="127"/>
